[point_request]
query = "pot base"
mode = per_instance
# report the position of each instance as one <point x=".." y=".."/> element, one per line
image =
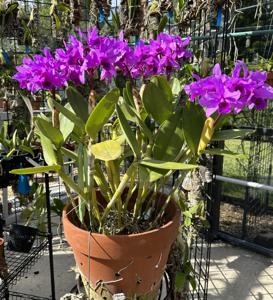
<point x="131" y="264"/>
<point x="101" y="292"/>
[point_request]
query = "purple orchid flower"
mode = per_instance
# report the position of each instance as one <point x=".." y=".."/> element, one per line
<point x="86" y="54"/>
<point x="225" y="94"/>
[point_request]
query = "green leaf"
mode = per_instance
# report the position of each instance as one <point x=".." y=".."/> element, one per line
<point x="35" y="170"/>
<point x="48" y="151"/>
<point x="26" y="149"/>
<point x="180" y="280"/>
<point x="66" y="125"/>
<point x="52" y="133"/>
<point x="70" y="115"/>
<point x="192" y="281"/>
<point x="78" y="103"/>
<point x="167" y="165"/>
<point x="163" y="85"/>
<point x="225" y="153"/>
<point x="156" y="102"/>
<point x="70" y="154"/>
<point x="107" y="150"/>
<point x="230" y="134"/>
<point x="137" y="119"/>
<point x="128" y="93"/>
<point x="101" y="113"/>
<point x="169" y="138"/>
<point x="130" y="137"/>
<point x="193" y="123"/>
<point x="28" y="105"/>
<point x="58" y="206"/>
<point x="57" y="21"/>
<point x="152" y="174"/>
<point x="162" y="24"/>
<point x="11" y="8"/>
<point x="63" y="7"/>
<point x="176" y="87"/>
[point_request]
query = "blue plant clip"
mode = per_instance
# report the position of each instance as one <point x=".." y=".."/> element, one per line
<point x="219" y="17"/>
<point x="101" y="16"/>
<point x="137" y="39"/>
<point x="23" y="185"/>
<point x="5" y="56"/>
<point x="170" y="14"/>
<point x="27" y="49"/>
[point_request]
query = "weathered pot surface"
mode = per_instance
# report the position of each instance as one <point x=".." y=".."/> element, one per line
<point x="131" y="264"/>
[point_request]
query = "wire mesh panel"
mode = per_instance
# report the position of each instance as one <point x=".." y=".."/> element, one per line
<point x="18" y="264"/>
<point x="205" y="22"/>
<point x="240" y="211"/>
<point x="19" y="296"/>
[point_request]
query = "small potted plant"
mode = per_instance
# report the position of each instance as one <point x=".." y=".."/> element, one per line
<point x="126" y="216"/>
<point x="13" y="154"/>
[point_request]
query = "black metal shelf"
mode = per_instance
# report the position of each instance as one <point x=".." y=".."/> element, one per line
<point x="19" y="264"/>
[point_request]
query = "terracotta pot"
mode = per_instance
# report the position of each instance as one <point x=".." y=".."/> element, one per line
<point x="131" y="264"/>
<point x="3" y="264"/>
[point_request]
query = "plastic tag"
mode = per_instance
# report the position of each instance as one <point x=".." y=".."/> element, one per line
<point x="120" y="296"/>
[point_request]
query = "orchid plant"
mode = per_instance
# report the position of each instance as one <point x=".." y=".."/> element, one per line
<point x="152" y="129"/>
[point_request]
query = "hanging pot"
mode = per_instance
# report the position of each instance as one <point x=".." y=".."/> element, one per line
<point x="131" y="264"/>
<point x="21" y="238"/>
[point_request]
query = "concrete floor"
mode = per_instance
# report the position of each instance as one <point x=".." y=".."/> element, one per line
<point x="238" y="274"/>
<point x="235" y="274"/>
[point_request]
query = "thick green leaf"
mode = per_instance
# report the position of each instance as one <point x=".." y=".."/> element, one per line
<point x="176" y="86"/>
<point x="52" y="133"/>
<point x="164" y="86"/>
<point x="28" y="105"/>
<point x="11" y="8"/>
<point x="107" y="150"/>
<point x="48" y="151"/>
<point x="70" y="115"/>
<point x="152" y="174"/>
<point x="130" y="137"/>
<point x="70" y="154"/>
<point x="156" y="101"/>
<point x="35" y="170"/>
<point x="137" y="119"/>
<point x="193" y="123"/>
<point x="26" y="149"/>
<point x="101" y="113"/>
<point x="128" y="94"/>
<point x="230" y="134"/>
<point x="225" y="153"/>
<point x="78" y="103"/>
<point x="66" y="125"/>
<point x="167" y="165"/>
<point x="128" y="114"/>
<point x="162" y="24"/>
<point x="169" y="138"/>
<point x="180" y="281"/>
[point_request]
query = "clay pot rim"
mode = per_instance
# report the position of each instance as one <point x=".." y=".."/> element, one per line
<point x="174" y="219"/>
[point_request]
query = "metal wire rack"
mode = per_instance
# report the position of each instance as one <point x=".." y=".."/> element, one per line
<point x="19" y="296"/>
<point x="19" y="264"/>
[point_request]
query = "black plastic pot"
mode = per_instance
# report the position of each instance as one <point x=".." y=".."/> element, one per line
<point x="21" y="238"/>
<point x="8" y="164"/>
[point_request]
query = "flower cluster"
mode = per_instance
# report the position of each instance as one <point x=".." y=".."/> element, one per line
<point x="88" y="54"/>
<point x="225" y="94"/>
<point x="41" y="73"/>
